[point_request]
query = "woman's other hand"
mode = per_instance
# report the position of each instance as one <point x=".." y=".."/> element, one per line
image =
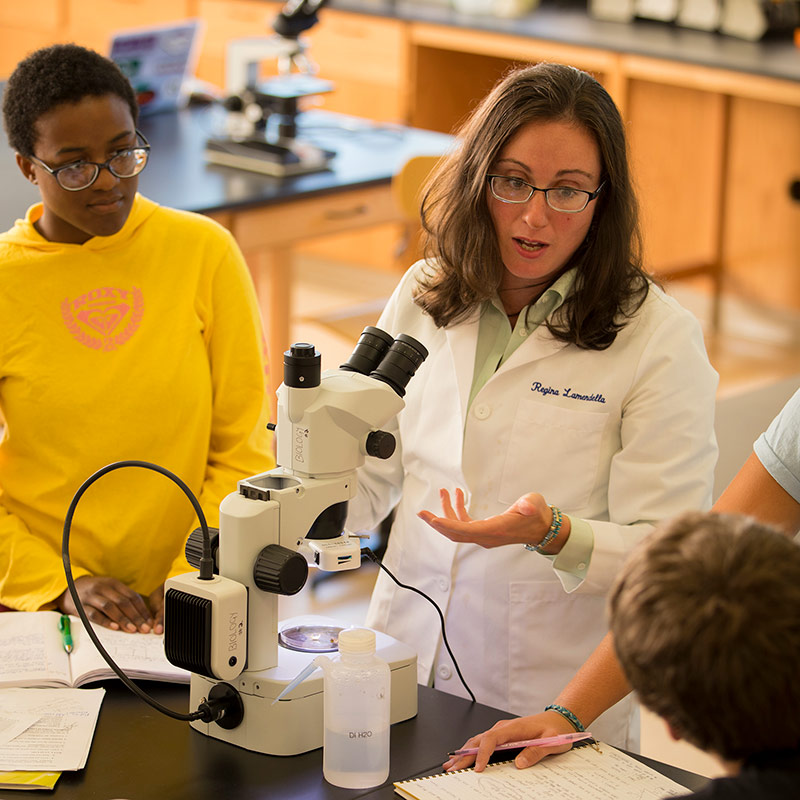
<point x="536" y="726"/>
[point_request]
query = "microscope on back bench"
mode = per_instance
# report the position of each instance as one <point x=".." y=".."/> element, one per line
<point x="262" y="123"/>
<point x="224" y="627"/>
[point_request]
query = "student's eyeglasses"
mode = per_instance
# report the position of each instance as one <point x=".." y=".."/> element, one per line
<point x="508" y="189"/>
<point x="82" y="174"/>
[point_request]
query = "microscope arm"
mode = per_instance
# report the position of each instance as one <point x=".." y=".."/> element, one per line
<point x="297" y="16"/>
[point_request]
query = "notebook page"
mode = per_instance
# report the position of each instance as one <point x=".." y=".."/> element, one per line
<point x="580" y="774"/>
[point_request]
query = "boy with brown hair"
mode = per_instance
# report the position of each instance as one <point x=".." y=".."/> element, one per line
<point x="706" y="623"/>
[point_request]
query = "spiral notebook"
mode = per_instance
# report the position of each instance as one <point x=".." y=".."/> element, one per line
<point x="583" y="772"/>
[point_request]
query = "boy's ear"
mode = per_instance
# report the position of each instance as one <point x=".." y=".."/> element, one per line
<point x="26" y="167"/>
<point x="674" y="731"/>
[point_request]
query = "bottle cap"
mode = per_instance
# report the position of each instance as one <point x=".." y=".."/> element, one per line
<point x="357" y="641"/>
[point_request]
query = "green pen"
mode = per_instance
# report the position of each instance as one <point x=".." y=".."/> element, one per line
<point x="66" y="633"/>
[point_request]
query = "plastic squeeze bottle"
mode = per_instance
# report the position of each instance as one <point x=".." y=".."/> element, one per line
<point x="356" y="713"/>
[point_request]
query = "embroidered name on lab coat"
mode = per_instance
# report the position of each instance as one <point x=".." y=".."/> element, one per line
<point x="537" y="386"/>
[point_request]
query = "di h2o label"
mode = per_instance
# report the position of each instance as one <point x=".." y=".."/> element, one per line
<point x="359" y="734"/>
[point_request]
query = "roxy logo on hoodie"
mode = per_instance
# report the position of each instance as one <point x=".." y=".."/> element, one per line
<point x="104" y="318"/>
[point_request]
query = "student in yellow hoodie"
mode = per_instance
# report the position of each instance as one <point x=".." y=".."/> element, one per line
<point x="127" y="331"/>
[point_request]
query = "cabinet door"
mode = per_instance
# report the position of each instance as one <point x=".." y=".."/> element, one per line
<point x="25" y="27"/>
<point x="762" y="229"/>
<point x="93" y="23"/>
<point x="365" y="58"/>
<point x="231" y="19"/>
<point x="676" y="137"/>
<point x="451" y="69"/>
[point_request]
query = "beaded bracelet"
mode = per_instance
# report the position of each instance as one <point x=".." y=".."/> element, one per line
<point x="553" y="531"/>
<point x="568" y="715"/>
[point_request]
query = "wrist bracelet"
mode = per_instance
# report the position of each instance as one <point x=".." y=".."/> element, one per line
<point x="568" y="715"/>
<point x="553" y="531"/>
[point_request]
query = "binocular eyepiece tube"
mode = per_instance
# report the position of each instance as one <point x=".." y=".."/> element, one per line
<point x="377" y="354"/>
<point x="393" y="361"/>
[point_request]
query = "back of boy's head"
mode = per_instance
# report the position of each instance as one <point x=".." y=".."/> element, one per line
<point x="61" y="73"/>
<point x="706" y="623"/>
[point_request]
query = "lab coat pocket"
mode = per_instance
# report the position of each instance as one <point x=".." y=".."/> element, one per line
<point x="554" y="451"/>
<point x="551" y="633"/>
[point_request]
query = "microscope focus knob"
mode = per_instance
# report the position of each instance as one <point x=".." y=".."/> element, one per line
<point x="280" y="570"/>
<point x="194" y="547"/>
<point x="380" y="444"/>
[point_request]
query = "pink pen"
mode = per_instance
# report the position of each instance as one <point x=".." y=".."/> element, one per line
<point x="564" y="738"/>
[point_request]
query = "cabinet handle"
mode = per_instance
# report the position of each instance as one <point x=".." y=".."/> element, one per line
<point x="346" y="213"/>
<point x="794" y="190"/>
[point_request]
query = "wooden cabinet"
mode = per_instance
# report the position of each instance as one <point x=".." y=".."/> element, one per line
<point x="677" y="164"/>
<point x="713" y="150"/>
<point x="92" y="24"/>
<point x="451" y="69"/>
<point x="365" y="57"/>
<point x="27" y="26"/>
<point x="761" y="239"/>
<point x="226" y="20"/>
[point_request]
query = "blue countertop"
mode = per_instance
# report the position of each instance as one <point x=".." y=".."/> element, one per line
<point x="177" y="174"/>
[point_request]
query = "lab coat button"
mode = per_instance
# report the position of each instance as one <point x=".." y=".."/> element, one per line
<point x="444" y="584"/>
<point x="482" y="411"/>
<point x="523" y="332"/>
<point x="582" y="566"/>
<point x="444" y="672"/>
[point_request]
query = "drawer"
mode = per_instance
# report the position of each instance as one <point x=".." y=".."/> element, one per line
<point x="288" y="223"/>
<point x="358" y="47"/>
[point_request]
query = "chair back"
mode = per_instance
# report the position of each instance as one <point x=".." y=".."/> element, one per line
<point x="408" y="182"/>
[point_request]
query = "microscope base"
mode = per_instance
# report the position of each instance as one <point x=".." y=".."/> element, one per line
<point x="293" y="157"/>
<point x="294" y="724"/>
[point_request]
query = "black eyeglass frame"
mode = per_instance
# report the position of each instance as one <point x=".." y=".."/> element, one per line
<point x="589" y="195"/>
<point x="145" y="145"/>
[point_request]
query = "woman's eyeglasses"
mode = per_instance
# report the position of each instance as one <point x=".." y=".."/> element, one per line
<point x="508" y="189"/>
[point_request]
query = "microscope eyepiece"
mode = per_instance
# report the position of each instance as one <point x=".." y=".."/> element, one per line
<point x="368" y="352"/>
<point x="400" y="363"/>
<point x="302" y="365"/>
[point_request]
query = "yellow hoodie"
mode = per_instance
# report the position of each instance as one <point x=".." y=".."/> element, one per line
<point x="142" y="345"/>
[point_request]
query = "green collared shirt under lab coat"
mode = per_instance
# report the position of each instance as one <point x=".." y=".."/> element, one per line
<point x="496" y="342"/>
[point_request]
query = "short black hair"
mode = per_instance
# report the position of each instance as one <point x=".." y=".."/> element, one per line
<point x="61" y="73"/>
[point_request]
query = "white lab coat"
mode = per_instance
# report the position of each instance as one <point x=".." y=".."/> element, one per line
<point x="621" y="438"/>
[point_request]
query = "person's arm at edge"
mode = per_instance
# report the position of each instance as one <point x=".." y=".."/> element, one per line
<point x="34" y="572"/>
<point x="596" y="686"/>
<point x="754" y="492"/>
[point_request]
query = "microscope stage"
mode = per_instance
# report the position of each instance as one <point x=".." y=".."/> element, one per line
<point x="295" y="723"/>
<point x="296" y="157"/>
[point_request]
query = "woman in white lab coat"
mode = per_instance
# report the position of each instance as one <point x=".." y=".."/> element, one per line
<point x="560" y="382"/>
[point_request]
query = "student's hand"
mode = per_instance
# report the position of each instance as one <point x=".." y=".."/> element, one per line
<point x="536" y="726"/>
<point x="525" y="522"/>
<point x="156" y="603"/>
<point x="110" y="603"/>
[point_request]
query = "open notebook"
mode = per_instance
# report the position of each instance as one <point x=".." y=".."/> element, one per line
<point x="32" y="653"/>
<point x="583" y="773"/>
